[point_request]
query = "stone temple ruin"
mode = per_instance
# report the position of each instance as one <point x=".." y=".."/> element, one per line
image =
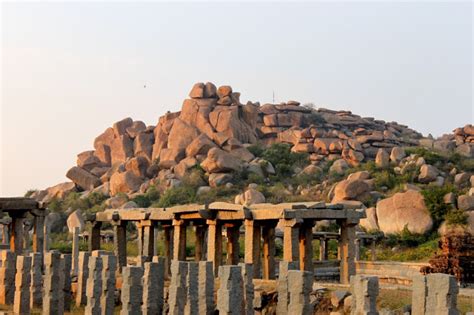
<point x="103" y="282"/>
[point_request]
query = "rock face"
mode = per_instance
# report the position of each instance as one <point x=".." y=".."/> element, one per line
<point x="350" y="189"/>
<point x="403" y="209"/>
<point x="214" y="129"/>
<point x="74" y="220"/>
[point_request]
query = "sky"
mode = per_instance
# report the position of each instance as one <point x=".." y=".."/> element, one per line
<point x="70" y="69"/>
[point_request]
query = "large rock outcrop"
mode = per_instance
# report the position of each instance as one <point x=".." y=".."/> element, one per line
<point x="403" y="209"/>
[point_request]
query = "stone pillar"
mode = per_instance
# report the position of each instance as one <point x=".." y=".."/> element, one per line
<point x="148" y="239"/>
<point x="192" y="289"/>
<point x="153" y="285"/>
<point x="53" y="298"/>
<point x="364" y="292"/>
<point x="7" y="277"/>
<point x="66" y="262"/>
<point x="82" y="276"/>
<point x="357" y="249"/>
<point x="290" y="240"/>
<point x="346" y="249"/>
<point x="300" y="284"/>
<point x="16" y="236"/>
<point x="247" y="277"/>
<point x="206" y="288"/>
<point x="372" y="250"/>
<point x="268" y="232"/>
<point x="21" y="303"/>
<point x="94" y="235"/>
<point x="199" y="252"/>
<point x="47" y="240"/>
<point x="107" y="298"/>
<point x="282" y="286"/>
<point x="214" y="244"/>
<point x="94" y="286"/>
<point x="306" y="246"/>
<point x="233" y="248"/>
<point x="155" y="235"/>
<point x="179" y="240"/>
<point x="75" y="250"/>
<point x="36" y="294"/>
<point x="323" y="248"/>
<point x="177" y="288"/>
<point x="168" y="242"/>
<point x="253" y="235"/>
<point x="5" y="234"/>
<point x="120" y="244"/>
<point x="38" y="234"/>
<point x="132" y="290"/>
<point x="435" y="294"/>
<point x="231" y="293"/>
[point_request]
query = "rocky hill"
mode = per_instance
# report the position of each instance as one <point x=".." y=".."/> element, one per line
<point x="215" y="141"/>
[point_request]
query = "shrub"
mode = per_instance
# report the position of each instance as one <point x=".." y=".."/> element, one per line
<point x="456" y="217"/>
<point x="256" y="150"/>
<point x="30" y="192"/>
<point x="142" y="201"/>
<point x="281" y="157"/>
<point x="177" y="195"/>
<point x="433" y="196"/>
<point x="221" y="193"/>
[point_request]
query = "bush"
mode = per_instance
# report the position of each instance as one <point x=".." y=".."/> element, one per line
<point x="433" y="196"/>
<point x="456" y="217"/>
<point x="142" y="201"/>
<point x="177" y="196"/>
<point x="430" y="156"/>
<point x="221" y="193"/>
<point x="281" y="157"/>
<point x="256" y="150"/>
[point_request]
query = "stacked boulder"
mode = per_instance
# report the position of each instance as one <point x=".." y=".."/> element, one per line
<point x="213" y="130"/>
<point x="460" y="141"/>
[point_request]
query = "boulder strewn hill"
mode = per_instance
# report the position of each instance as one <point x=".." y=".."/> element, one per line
<point x="215" y="141"/>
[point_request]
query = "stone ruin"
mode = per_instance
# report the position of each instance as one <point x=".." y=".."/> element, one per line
<point x="103" y="281"/>
<point x="456" y="257"/>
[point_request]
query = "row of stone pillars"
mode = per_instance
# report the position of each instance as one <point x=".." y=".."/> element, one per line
<point x="259" y="245"/>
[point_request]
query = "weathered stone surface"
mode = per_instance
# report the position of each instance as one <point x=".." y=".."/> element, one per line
<point x="124" y="182"/>
<point x="136" y="128"/>
<point x="300" y="284"/>
<point x="138" y="166"/>
<point x="143" y="145"/>
<point x="364" y="294"/>
<point x="249" y="197"/>
<point x="21" y="303"/>
<point x="206" y="288"/>
<point x="82" y="276"/>
<point x="36" y="295"/>
<point x="462" y="179"/>
<point x="184" y="165"/>
<point x="382" y="159"/>
<point x="197" y="91"/>
<point x="53" y="296"/>
<point x="107" y="296"/>
<point x="350" y="189"/>
<point x="371" y="222"/>
<point x="339" y="167"/>
<point x="435" y="294"/>
<point x="218" y="161"/>
<point x="7" y="277"/>
<point x="397" y="154"/>
<point x="224" y="90"/>
<point x="94" y="286"/>
<point x="74" y="220"/>
<point x="177" y="289"/>
<point x="466" y="202"/>
<point x="192" y="289"/>
<point x="87" y="160"/>
<point x="132" y="290"/>
<point x="82" y="178"/>
<point x="219" y="179"/>
<point x="404" y="209"/>
<point x="121" y="149"/>
<point x="200" y="145"/>
<point x="231" y="292"/>
<point x="59" y="191"/>
<point x="120" y="127"/>
<point x="428" y="173"/>
<point x="170" y="157"/>
<point x="181" y="135"/>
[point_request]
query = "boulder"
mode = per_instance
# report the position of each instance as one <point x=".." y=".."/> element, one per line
<point x="102" y="152"/>
<point x="219" y="161"/>
<point x="461" y="179"/>
<point x="83" y="178"/>
<point x="339" y="167"/>
<point x="116" y="201"/>
<point x="403" y="209"/>
<point x="137" y="165"/>
<point x="361" y="175"/>
<point x="466" y="149"/>
<point x="223" y="91"/>
<point x="136" y="128"/>
<point x="197" y="91"/>
<point x="105" y="138"/>
<point x="170" y="157"/>
<point x="249" y="197"/>
<point x="126" y="182"/>
<point x="75" y="220"/>
<point x="59" y="191"/>
<point x="397" y="154"/>
<point x="203" y="190"/>
<point x="55" y="222"/>
<point x="184" y="165"/>
<point x="428" y="174"/>
<point x="219" y="179"/>
<point x="200" y="145"/>
<point x="351" y="189"/>
<point x="121" y="149"/>
<point x="87" y="160"/>
<point x="311" y="170"/>
<point x="143" y="145"/>
<point x="382" y="159"/>
<point x="210" y="90"/>
<point x="466" y="202"/>
<point x="242" y="154"/>
<point x="120" y="127"/>
<point x="181" y="135"/>
<point x="370" y="223"/>
<point x="322" y="145"/>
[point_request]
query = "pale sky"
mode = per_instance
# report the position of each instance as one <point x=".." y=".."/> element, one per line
<point x="69" y="70"/>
